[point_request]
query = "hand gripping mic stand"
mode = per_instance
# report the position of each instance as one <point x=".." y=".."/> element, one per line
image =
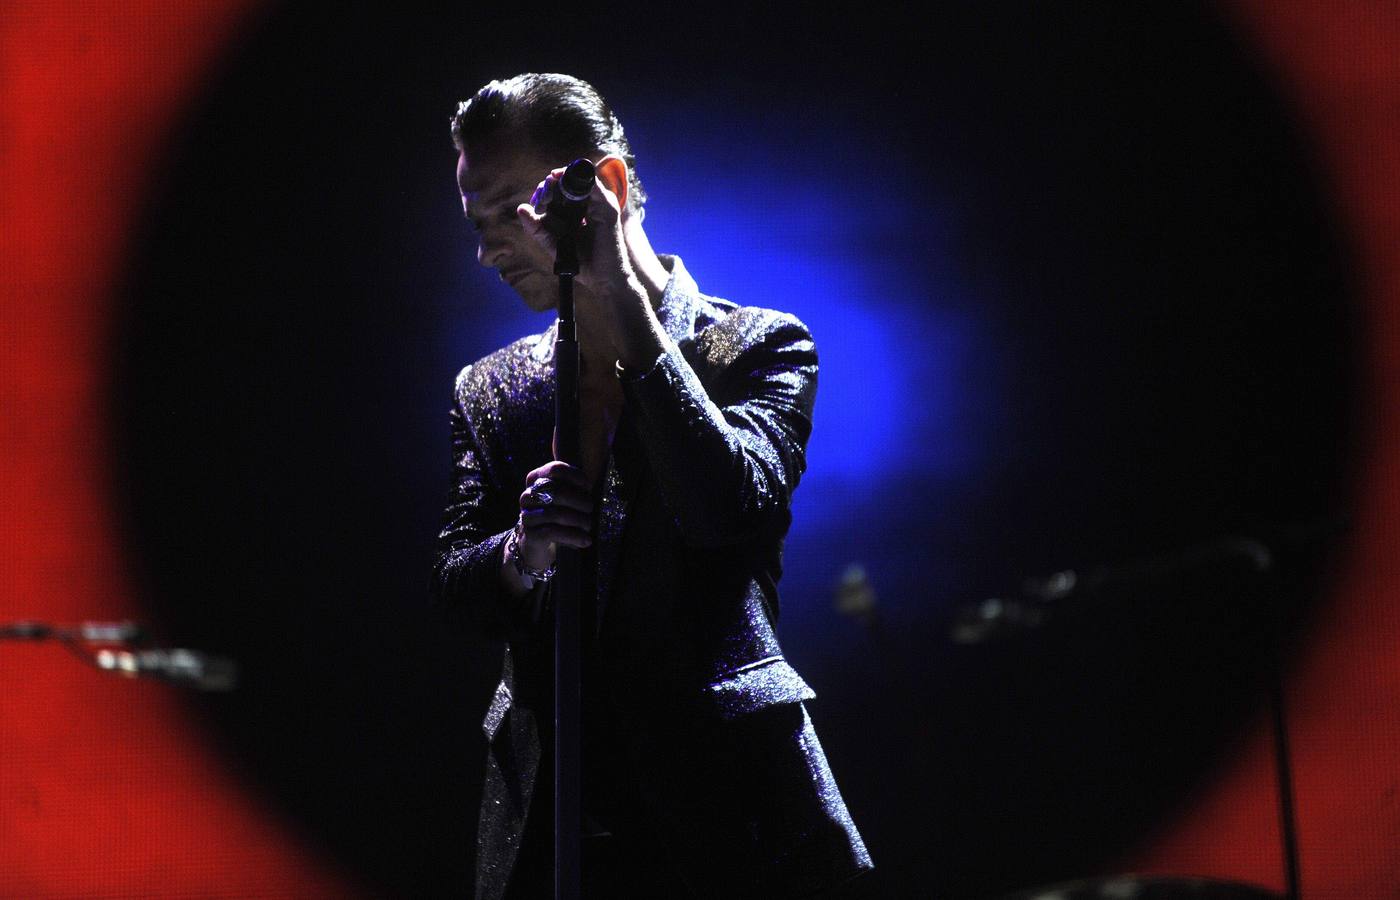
<point x="564" y="219"/>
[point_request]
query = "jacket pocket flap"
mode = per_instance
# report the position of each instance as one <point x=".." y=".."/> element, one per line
<point x="496" y="712"/>
<point x="756" y="686"/>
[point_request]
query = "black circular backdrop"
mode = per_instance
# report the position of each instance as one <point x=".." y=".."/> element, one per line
<point x="1139" y="227"/>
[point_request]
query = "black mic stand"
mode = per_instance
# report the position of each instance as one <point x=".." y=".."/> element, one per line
<point x="1068" y="589"/>
<point x="568" y="632"/>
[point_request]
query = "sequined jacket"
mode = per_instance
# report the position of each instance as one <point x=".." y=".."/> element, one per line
<point x="695" y="506"/>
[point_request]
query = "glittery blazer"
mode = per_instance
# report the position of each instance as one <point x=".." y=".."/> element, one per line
<point x="728" y="774"/>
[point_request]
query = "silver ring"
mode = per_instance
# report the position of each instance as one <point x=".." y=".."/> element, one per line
<point x="544" y="497"/>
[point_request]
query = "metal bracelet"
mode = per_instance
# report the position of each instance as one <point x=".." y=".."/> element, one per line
<point x="512" y="547"/>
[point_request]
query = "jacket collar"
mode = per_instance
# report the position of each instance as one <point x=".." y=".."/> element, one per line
<point x="680" y="301"/>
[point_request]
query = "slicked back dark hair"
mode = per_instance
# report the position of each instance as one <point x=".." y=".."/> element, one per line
<point x="561" y="115"/>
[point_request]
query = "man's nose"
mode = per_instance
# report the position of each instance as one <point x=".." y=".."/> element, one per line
<point x="491" y="251"/>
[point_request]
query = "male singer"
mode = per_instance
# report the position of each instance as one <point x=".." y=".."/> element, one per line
<point x="703" y="776"/>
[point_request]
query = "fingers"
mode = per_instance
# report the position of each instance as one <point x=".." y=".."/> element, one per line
<point x="531" y="212"/>
<point x="554" y="533"/>
<point x="544" y="192"/>
<point x="559" y="471"/>
<point x="546" y="494"/>
<point x="532" y="220"/>
<point x="603" y="204"/>
<point x="533" y="223"/>
<point x="566" y="516"/>
<point x="602" y="251"/>
<point x="557" y="506"/>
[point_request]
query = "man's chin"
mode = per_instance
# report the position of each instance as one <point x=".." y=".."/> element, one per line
<point x="539" y="293"/>
<point x="540" y="301"/>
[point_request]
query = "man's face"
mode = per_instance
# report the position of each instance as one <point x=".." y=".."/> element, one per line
<point x="494" y="179"/>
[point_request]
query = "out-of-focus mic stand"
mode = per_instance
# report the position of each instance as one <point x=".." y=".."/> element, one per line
<point x="119" y="648"/>
<point x="565" y="219"/>
<point x="87" y="640"/>
<point x="1042" y="598"/>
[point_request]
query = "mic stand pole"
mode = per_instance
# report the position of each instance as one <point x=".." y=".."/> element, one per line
<point x="1283" y="767"/>
<point x="981" y="621"/>
<point x="568" y="770"/>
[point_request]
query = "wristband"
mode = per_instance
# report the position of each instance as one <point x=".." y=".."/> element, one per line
<point x="512" y="547"/>
<point x="626" y="374"/>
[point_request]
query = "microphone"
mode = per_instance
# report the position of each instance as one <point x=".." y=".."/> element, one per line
<point x="189" y="668"/>
<point x="564" y="213"/>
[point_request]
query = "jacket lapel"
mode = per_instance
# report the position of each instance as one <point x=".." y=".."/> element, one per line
<point x="678" y="313"/>
<point x="619" y="490"/>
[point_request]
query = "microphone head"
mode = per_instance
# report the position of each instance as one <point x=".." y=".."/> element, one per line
<point x="577" y="182"/>
<point x="185" y="667"/>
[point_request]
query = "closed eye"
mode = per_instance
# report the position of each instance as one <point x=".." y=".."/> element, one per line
<point x="504" y="214"/>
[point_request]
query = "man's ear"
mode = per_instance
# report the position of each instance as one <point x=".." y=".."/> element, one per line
<point x="613" y="172"/>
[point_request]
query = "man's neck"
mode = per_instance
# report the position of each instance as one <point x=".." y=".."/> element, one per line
<point x="648" y="266"/>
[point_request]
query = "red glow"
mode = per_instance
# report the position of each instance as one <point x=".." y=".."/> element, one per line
<point x="104" y="783"/>
<point x="1340" y="65"/>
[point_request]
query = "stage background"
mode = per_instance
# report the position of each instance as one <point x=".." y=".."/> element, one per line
<point x="1086" y="286"/>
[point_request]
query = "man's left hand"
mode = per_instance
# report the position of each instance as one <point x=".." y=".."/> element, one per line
<point x="613" y="298"/>
<point x="605" y="268"/>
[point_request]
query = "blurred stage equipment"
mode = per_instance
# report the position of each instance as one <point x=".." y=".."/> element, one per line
<point x="1043" y="597"/>
<point x="855" y="596"/>
<point x="1040" y="599"/>
<point x="116" y="647"/>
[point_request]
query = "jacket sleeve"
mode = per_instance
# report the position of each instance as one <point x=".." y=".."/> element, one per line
<point x="478" y="519"/>
<point x="727" y="464"/>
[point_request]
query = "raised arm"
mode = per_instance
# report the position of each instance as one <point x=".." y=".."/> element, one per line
<point x="727" y="460"/>
<point x="727" y="463"/>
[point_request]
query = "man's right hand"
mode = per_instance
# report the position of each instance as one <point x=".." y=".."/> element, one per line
<point x="556" y="507"/>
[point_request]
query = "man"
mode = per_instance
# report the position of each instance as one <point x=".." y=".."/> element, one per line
<point x="703" y="776"/>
